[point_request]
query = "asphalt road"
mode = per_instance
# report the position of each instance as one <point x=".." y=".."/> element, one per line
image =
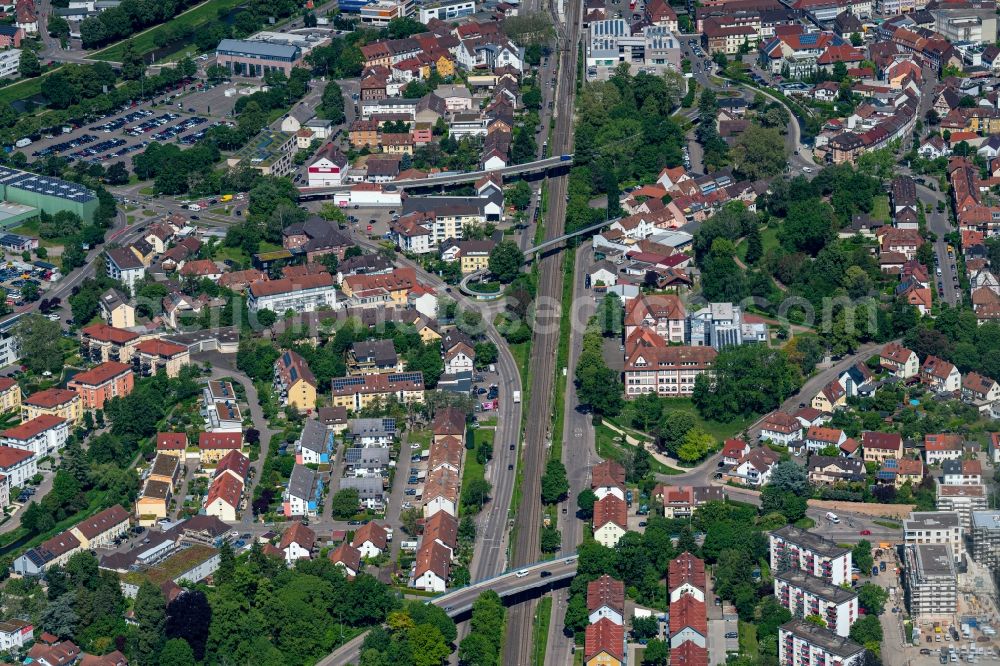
<point x="518" y="649"/>
<point x="940" y="225"/>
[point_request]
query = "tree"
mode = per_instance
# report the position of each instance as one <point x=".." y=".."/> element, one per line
<point x="344" y="504"/>
<point x="867" y="630"/>
<point x="755" y="245"/>
<point x="872" y="598"/>
<point x="555" y="485"/>
<point x="551" y="539"/>
<point x="133" y="66"/>
<point x="748" y="379"/>
<point x="862" y="556"/>
<point x="151" y="616"/>
<point x="29" y="66"/>
<point x="60" y="617"/>
<point x="585" y="503"/>
<point x="427" y="645"/>
<point x="790" y="477"/>
<point x="856" y="40"/>
<point x="176" y="652"/>
<point x="506" y="260"/>
<point x="41" y="343"/>
<point x="645" y="627"/>
<point x="519" y="195"/>
<point x="58" y="27"/>
<point x="759" y="152"/>
<point x="116" y="174"/>
<point x="476" y="494"/>
<point x="696" y="445"/>
<point x="188" y="618"/>
<point x="29" y="292"/>
<point x="611" y="315"/>
<point x="656" y="653"/>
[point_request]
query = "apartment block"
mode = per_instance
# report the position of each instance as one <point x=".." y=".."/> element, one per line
<point x="805" y="595"/>
<point x="794" y="548"/>
<point x="984" y="538"/>
<point x="936" y="528"/>
<point x="931" y="582"/>
<point x="802" y="643"/>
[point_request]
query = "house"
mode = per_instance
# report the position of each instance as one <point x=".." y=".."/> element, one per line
<point x="116" y="310"/>
<point x="10" y="395"/>
<point x="604" y="644"/>
<point x="688" y="622"/>
<point x="49" y="651"/>
<point x="608" y="478"/>
<point x="212" y="446"/>
<point x="373" y="357"/>
<point x="108" y="380"/>
<point x="681" y="501"/>
<point x="609" y="520"/>
<point x="356" y="393"/>
<point x="14" y="634"/>
<point x="171" y="443"/>
<point x="297" y="543"/>
<point x="371" y="432"/>
<point x="315" y="444"/>
<point x="301" y="497"/>
<point x="898" y="472"/>
<point x="606" y="599"/>
<point x="830" y="470"/>
<point x="314" y="238"/>
<point x="961" y="473"/>
<point x="305" y="294"/>
<point x="830" y="397"/>
<point x="458" y="359"/>
<point x="880" y="446"/>
<point x="122" y="265"/>
<point x="54" y="402"/>
<point x="734" y="449"/>
<point x="151" y="356"/>
<point x="818" y="438"/>
<point x="780" y="428"/>
<point x="754" y="469"/>
<point x="114" y="658"/>
<point x="295" y="382"/>
<point x="663" y="314"/>
<point x="371" y="540"/>
<point x="328" y="168"/>
<point x="940" y="375"/>
<point x="856" y="380"/>
<point x="41" y="436"/>
<point x="432" y="567"/>
<point x="899" y="361"/>
<point x="941" y="447"/>
<point x="101" y="529"/>
<point x="17" y="465"/>
<point x="224" y="496"/>
<point x="686" y="576"/>
<point x="441" y="492"/>
<point x="979" y="389"/>
<point x="348" y="558"/>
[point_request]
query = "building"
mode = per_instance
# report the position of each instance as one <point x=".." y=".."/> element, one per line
<point x="328" y="168"/>
<point x="101" y="529"/>
<point x="14" y="634"/>
<point x="192" y="563"/>
<point x="297" y="543"/>
<point x="315" y="444"/>
<point x="610" y="520"/>
<point x="116" y="310"/>
<point x="269" y="153"/>
<point x="961" y="499"/>
<point x="802" y="643"/>
<point x="880" y="446"/>
<point x="961" y="473"/>
<point x="805" y="595"/>
<point x="373" y="357"/>
<point x="612" y="42"/>
<point x="303" y="294"/>
<point x="446" y="10"/>
<point x="432" y="567"/>
<point x="17" y="465"/>
<point x="686" y="575"/>
<point x="681" y="501"/>
<point x="936" y="528"/>
<point x="940" y="375"/>
<point x="54" y="402"/>
<point x="900" y="361"/>
<point x="608" y="478"/>
<point x="356" y="393"/>
<point x="371" y="540"/>
<point x="348" y="558"/>
<point x="606" y="599"/>
<point x="171" y="443"/>
<point x="100" y="343"/>
<point x="941" y="447"/>
<point x="98" y="385"/>
<point x="121" y="264"/>
<point x="688" y="622"/>
<point x="830" y="470"/>
<point x="604" y="644"/>
<point x="663" y="314"/>
<point x="780" y="428"/>
<point x="303" y="493"/>
<point x="794" y="548"/>
<point x="984" y="538"/>
<point x="42" y="436"/>
<point x="154" y="355"/>
<point x="754" y="469"/>
<point x="213" y="446"/>
<point x="255" y="58"/>
<point x="51" y="195"/>
<point x="930" y="581"/>
<point x="295" y="382"/>
<point x="223" y="499"/>
<point x="666" y="371"/>
<point x="378" y="13"/>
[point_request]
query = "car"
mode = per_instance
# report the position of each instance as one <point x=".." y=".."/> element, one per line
<point x="513" y="446"/>
<point x="234" y="534"/>
<point x="410" y="491"/>
<point x="642" y="523"/>
<point x="240" y="543"/>
<point x="522" y="573"/>
<point x="865" y="532"/>
<point x="195" y="217"/>
<point x="544" y="574"/>
<point x="353" y="522"/>
<point x="732" y="634"/>
<point x="510" y="466"/>
<point x="925" y="651"/>
<point x="246" y="536"/>
<point x="407" y="505"/>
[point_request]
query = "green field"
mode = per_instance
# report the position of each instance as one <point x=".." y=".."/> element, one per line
<point x="144" y="42"/>
<point x="721" y="431"/>
<point x="880" y="209"/>
<point x="748" y="641"/>
<point x="609" y="449"/>
<point x="21" y="90"/>
<point x="471" y="469"/>
<point x="768" y="238"/>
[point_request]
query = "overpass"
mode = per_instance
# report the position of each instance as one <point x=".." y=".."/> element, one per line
<point x="552" y="242"/>
<point x="526" y="580"/>
<point x="537" y="166"/>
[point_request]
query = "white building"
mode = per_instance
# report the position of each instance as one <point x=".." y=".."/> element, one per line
<point x="303" y="294"/>
<point x="931" y="581"/>
<point x="794" y="548"/>
<point x="17" y="465"/>
<point x="935" y="527"/>
<point x="123" y="265"/>
<point x="14" y="634"/>
<point x="42" y="436"/>
<point x="10" y="61"/>
<point x="805" y="595"/>
<point x="802" y="643"/>
<point x="961" y="499"/>
<point x="328" y="168"/>
<point x="446" y="10"/>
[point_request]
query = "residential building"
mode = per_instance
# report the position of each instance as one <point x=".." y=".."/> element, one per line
<point x="53" y="652"/>
<point x="802" y="643"/>
<point x="371" y="540"/>
<point x="213" y="446"/>
<point x="17" y="465"/>
<point x="371" y="357"/>
<point x="441" y="492"/>
<point x="780" y="428"/>
<point x="900" y="472"/>
<point x="42" y="436"/>
<point x="432" y="567"/>
<point x="294" y="381"/>
<point x="15" y="634"/>
<point x="154" y="355"/>
<point x="102" y="383"/>
<point x="604" y="644"/>
<point x="101" y="529"/>
<point x="304" y="490"/>
<point x="315" y="444"/>
<point x="663" y="314"/>
<point x="379" y="290"/>
<point x="961" y="473"/>
<point x="666" y="371"/>
<point x="171" y="443"/>
<point x="754" y="469"/>
<point x="305" y="294"/>
<point x="606" y="599"/>
<point x="122" y="265"/>
<point x="349" y="559"/>
<point x="805" y="595"/>
<point x="941" y="447"/>
<point x="608" y="478"/>
<point x="961" y="499"/>
<point x="192" y="563"/>
<point x="328" y="168"/>
<point x="688" y="622"/>
<point x="235" y="464"/>
<point x="610" y="520"/>
<point x="356" y="393"/>
<point x="733" y="450"/>
<point x="830" y="397"/>
<point x="116" y="310"/>
<point x="10" y="395"/>
<point x="297" y="543"/>
<point x="978" y="389"/>
<point x="880" y="446"/>
<point x="818" y="438"/>
<point x="460" y="358"/>
<point x="831" y="470"/>
<point x="930" y="581"/>
<point x="100" y="343"/>
<point x="54" y="402"/>
<point x="686" y="576"/>
<point x="374" y="432"/>
<point x="936" y="527"/>
<point x="940" y="375"/>
<point x="794" y="548"/>
<point x="984" y="538"/>
<point x="681" y="501"/>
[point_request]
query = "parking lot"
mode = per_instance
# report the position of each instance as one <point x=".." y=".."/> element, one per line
<point x="14" y="275"/>
<point x="182" y="115"/>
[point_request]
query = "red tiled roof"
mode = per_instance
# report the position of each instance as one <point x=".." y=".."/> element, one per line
<point x="105" y="333"/>
<point x="347" y="555"/>
<point x="373" y="532"/>
<point x="287" y="285"/>
<point x="171" y="441"/>
<point x="11" y="457"/>
<point x="688" y="612"/>
<point x="606" y="591"/>
<point x="35" y="426"/>
<point x="160" y="348"/>
<point x="51" y="398"/>
<point x="604" y="636"/>
<point x="227" y="488"/>
<point x="299" y="534"/>
<point x="686" y="568"/>
<point x="234" y="462"/>
<point x="882" y="441"/>
<point x="102" y="373"/>
<point x="689" y="653"/>
<point x="220" y="440"/>
<point x="610" y="509"/>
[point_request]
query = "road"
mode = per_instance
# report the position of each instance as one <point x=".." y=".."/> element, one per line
<point x="518" y="648"/>
<point x="939" y="224"/>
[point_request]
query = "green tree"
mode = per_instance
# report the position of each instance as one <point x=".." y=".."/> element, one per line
<point x="755" y="245"/>
<point x="555" y="485"/>
<point x="867" y="630"/>
<point x="551" y="539"/>
<point x="585" y="503"/>
<point x="645" y="627"/>
<point x="506" y="260"/>
<point x="40" y="341"/>
<point x="151" y="616"/>
<point x="872" y="598"/>
<point x="748" y="379"/>
<point x="696" y="445"/>
<point x="862" y="556"/>
<point x="789" y="477"/>
<point x="475" y="494"/>
<point x="427" y="645"/>
<point x="176" y="652"/>
<point x="344" y="503"/>
<point x="519" y="195"/>
<point x="656" y="653"/>
<point x="759" y="152"/>
<point x="29" y="67"/>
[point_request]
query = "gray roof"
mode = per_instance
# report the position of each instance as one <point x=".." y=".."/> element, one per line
<point x="367" y="456"/>
<point x="380" y="352"/>
<point x="373" y="427"/>
<point x="931" y="520"/>
<point x="301" y="482"/>
<point x="931" y="560"/>
<point x="813" y="542"/>
<point x="986" y="520"/>
<point x="817" y="586"/>
<point x="254" y="48"/>
<point x="53" y="187"/>
<point x="315" y="437"/>
<point x="823" y="637"/>
<point x="369" y="486"/>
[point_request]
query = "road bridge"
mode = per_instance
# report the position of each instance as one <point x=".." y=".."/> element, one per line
<point x="554" y="242"/>
<point x="538" y="166"/>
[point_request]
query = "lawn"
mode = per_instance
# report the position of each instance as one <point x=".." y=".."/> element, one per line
<point x="471" y="469"/>
<point x="609" y="449"/>
<point x="21" y="90"/>
<point x="144" y="42"/>
<point x="768" y="238"/>
<point x="721" y="431"/>
<point x="748" y="641"/>
<point x="30" y="228"/>
<point x="880" y="208"/>
<point x="540" y="631"/>
<point x="422" y="437"/>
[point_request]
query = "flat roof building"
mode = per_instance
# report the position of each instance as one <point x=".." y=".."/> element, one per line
<point x="244" y="57"/>
<point x="794" y="548"/>
<point x="936" y="527"/>
<point x="984" y="538"/>
<point x="930" y="581"/>
<point x="52" y="195"/>
<point x="802" y="643"/>
<point x="805" y="595"/>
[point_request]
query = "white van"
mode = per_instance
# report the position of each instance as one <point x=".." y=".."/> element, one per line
<point x="832" y="517"/>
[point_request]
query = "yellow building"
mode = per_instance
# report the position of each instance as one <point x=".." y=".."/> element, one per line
<point x="357" y="393"/>
<point x="214" y="446"/>
<point x="830" y="397"/>
<point x="396" y="284"/>
<point x="56" y="402"/>
<point x="153" y="503"/>
<point x="155" y="355"/>
<point x="116" y="311"/>
<point x="10" y="395"/>
<point x="295" y="382"/>
<point x="474" y="255"/>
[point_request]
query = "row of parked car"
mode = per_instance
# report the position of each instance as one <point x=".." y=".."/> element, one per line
<point x="63" y="146"/>
<point x="119" y="123"/>
<point x="180" y="128"/>
<point x="152" y="124"/>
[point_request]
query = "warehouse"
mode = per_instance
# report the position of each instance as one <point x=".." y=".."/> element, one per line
<point x="51" y="195"/>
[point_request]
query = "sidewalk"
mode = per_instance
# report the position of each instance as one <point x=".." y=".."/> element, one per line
<point x="672" y="463"/>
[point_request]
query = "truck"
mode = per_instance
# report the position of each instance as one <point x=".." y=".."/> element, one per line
<point x="21" y="143"/>
<point x="226" y="198"/>
<point x="832" y="517"/>
<point x="517" y="397"/>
